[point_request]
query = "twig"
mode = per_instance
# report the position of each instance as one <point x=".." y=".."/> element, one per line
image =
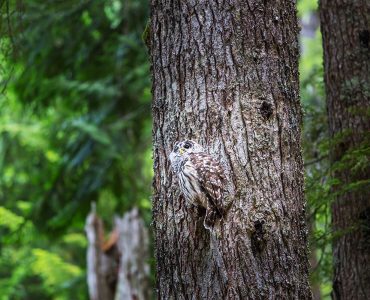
<point x="315" y="160"/>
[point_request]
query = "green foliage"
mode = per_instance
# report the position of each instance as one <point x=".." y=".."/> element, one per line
<point x="56" y="274"/>
<point x="82" y="106"/>
<point x="316" y="145"/>
<point x="305" y="7"/>
<point x="34" y="272"/>
<point x="75" y="127"/>
<point x="9" y="219"/>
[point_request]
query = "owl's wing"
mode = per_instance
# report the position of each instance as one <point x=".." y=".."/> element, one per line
<point x="212" y="178"/>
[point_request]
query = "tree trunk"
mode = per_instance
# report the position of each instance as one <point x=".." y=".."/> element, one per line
<point x="101" y="277"/>
<point x="226" y="75"/>
<point x="133" y="246"/>
<point x="117" y="268"/>
<point x="345" y="27"/>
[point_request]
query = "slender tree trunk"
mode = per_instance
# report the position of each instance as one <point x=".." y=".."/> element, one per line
<point x="101" y="277"/>
<point x="117" y="268"/>
<point x="225" y="74"/>
<point x="133" y="245"/>
<point x="346" y="38"/>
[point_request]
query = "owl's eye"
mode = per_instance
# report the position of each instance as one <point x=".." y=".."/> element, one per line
<point x="187" y="145"/>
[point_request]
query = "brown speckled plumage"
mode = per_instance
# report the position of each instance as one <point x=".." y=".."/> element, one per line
<point x="201" y="178"/>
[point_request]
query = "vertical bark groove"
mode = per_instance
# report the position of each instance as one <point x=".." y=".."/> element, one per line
<point x="215" y="64"/>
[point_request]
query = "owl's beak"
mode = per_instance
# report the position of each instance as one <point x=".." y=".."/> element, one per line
<point x="181" y="151"/>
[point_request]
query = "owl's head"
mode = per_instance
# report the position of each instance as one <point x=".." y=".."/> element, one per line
<point x="187" y="147"/>
<point x="181" y="150"/>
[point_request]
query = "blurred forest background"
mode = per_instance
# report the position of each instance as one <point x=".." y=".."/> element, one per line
<point x="75" y="127"/>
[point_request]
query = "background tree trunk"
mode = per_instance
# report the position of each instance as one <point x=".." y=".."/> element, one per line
<point x="133" y="246"/>
<point x="117" y="267"/>
<point x="345" y="27"/>
<point x="225" y="74"/>
<point x="100" y="266"/>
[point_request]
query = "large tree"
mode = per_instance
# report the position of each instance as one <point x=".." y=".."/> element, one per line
<point x="226" y="74"/>
<point x="346" y="40"/>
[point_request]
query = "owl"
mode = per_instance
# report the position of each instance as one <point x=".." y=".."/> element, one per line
<point x="202" y="179"/>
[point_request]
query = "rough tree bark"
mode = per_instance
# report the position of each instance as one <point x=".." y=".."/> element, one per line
<point x="225" y="74"/>
<point x="345" y="28"/>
